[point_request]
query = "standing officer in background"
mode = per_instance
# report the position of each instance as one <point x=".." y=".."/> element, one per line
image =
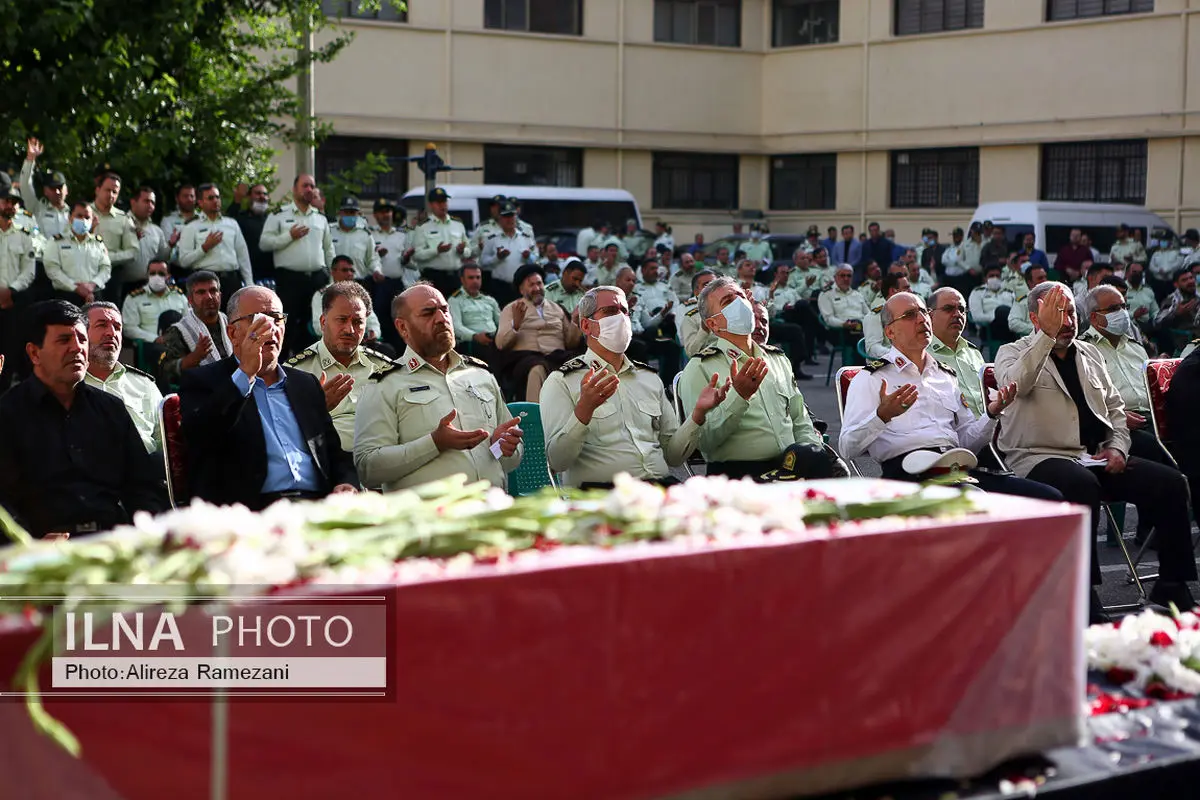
<point x="141" y="313"/>
<point x="185" y="211"/>
<point x="77" y="264"/>
<point x="435" y="413"/>
<point x="440" y="244"/>
<point x="17" y="270"/>
<point x="50" y="210"/>
<point x="299" y="236"/>
<point x="506" y="250"/>
<point x="352" y="239"/>
<point x="115" y="228"/>
<point x="392" y="247"/>
<point x="214" y="242"/>
<point x="152" y="245"/>
<point x="251" y="221"/>
<point x="489" y="225"/>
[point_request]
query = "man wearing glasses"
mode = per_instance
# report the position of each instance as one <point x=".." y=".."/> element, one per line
<point x="255" y="432"/>
<point x="908" y="401"/>
<point x="948" y="318"/>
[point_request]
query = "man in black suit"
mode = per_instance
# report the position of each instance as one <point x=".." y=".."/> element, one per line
<point x="255" y="432"/>
<point x="1183" y="430"/>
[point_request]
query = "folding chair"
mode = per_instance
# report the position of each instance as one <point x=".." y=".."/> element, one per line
<point x="170" y="419"/>
<point x="987" y="377"/>
<point x="841" y="345"/>
<point x="533" y="474"/>
<point x="682" y="414"/>
<point x="844" y="376"/>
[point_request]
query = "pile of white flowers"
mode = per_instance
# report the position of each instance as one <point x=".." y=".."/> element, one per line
<point x="1147" y="648"/>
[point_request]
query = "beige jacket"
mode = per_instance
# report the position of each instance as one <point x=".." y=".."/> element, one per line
<point x="1044" y="422"/>
<point x="546" y="332"/>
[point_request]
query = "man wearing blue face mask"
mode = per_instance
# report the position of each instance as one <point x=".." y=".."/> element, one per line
<point x="604" y="413"/>
<point x="764" y="415"/>
<point x="77" y="262"/>
<point x="353" y="240"/>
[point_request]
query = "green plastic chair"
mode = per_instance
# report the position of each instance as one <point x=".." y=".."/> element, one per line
<point x="534" y="473"/>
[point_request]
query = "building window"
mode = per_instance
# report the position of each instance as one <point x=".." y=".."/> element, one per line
<point x="713" y="22"/>
<point x="535" y="16"/>
<point x="532" y="166"/>
<point x="339" y="153"/>
<point x="1095" y="172"/>
<point x="353" y="9"/>
<point x="807" y="182"/>
<point x="695" y="180"/>
<point x="934" y="16"/>
<point x="796" y="22"/>
<point x="942" y="178"/>
<point x="1080" y="9"/>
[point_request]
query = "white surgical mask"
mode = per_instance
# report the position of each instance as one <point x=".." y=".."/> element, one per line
<point x="1119" y="274"/>
<point x="157" y="283"/>
<point x="993" y="284"/>
<point x="1117" y="322"/>
<point x="739" y="317"/>
<point x="616" y="332"/>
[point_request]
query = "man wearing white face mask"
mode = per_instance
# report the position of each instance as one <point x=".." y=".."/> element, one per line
<point x="604" y="413"/>
<point x="142" y="311"/>
<point x="748" y="433"/>
<point x="990" y="304"/>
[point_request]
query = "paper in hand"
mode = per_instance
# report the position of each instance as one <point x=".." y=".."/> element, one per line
<point x="1087" y="460"/>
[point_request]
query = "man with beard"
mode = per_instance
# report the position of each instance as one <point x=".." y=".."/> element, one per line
<point x="534" y="336"/>
<point x="17" y="271"/>
<point x="604" y="414"/>
<point x="251" y="222"/>
<point x="568" y="290"/>
<point x="435" y="413"/>
<point x="71" y="460"/>
<point x="1180" y="310"/>
<point x="200" y="337"/>
<point x="257" y="432"/>
<point x="1143" y="306"/>
<point x="1068" y="430"/>
<point x="131" y="386"/>
<point x="338" y="358"/>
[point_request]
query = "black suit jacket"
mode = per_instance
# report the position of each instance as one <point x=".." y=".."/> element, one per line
<point x="227" y="452"/>
<point x="1182" y="401"/>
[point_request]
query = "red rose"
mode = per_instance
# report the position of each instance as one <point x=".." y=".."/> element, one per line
<point x="1118" y="675"/>
<point x="1161" y="639"/>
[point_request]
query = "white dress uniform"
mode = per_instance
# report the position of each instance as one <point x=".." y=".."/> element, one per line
<point x="635" y="431"/>
<point x="50" y="221"/>
<point x="359" y="246"/>
<point x="983" y="303"/>
<point x="652" y="298"/>
<point x="115" y="229"/>
<point x="229" y="255"/>
<point x="152" y="245"/>
<point x="837" y="306"/>
<point x="395" y="242"/>
<point x="311" y="252"/>
<point x="317" y="360"/>
<point x="175" y="221"/>
<point x="70" y="260"/>
<point x="940" y="418"/>
<point x="17" y="267"/>
<point x="505" y="269"/>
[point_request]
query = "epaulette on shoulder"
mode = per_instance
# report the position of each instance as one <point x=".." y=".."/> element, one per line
<point x="456" y="219"/>
<point x="98" y="238"/>
<point x="383" y="373"/>
<point x="877" y="309"/>
<point x="1195" y="342"/>
<point x="58" y="237"/>
<point x="572" y="365"/>
<point x="178" y="290"/>
<point x="874" y="364"/>
<point x="137" y="292"/>
<point x="193" y="219"/>
<point x="475" y="362"/>
<point x="770" y="348"/>
<point x="640" y="365"/>
<point x="137" y="371"/>
<point x="692" y="312"/>
<point x="301" y="357"/>
<point x="708" y="351"/>
<point x="456" y="293"/>
<point x="946" y="368"/>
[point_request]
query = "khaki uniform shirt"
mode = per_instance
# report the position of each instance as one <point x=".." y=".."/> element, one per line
<point x="395" y="242"/>
<point x="652" y="298"/>
<point x="691" y="333"/>
<point x="1126" y="252"/>
<point x="484" y="230"/>
<point x="141" y="397"/>
<point x="871" y="294"/>
<point x="521" y="249"/>
<point x="69" y="261"/>
<point x="542" y="332"/>
<point x="757" y="429"/>
<point x="983" y="304"/>
<point x="837" y="306"/>
<point x="1018" y="317"/>
<point x="605" y="276"/>
<point x="1013" y="282"/>
<point x="359" y="246"/>
<point x="51" y="221"/>
<point x="17" y="256"/>
<point x="635" y="431"/>
<point x="874" y="341"/>
<point x="966" y="361"/>
<point x="231" y="255"/>
<point x="116" y="230"/>
<point x="681" y="284"/>
<point x="568" y="300"/>
<point x="173" y="222"/>
<point x="317" y="360"/>
<point x="472" y="315"/>
<point x="1165" y="263"/>
<point x="433" y="232"/>
<point x="311" y="252"/>
<point x="807" y="281"/>
<point x="402" y="407"/>
<point x="758" y="251"/>
<point x="1142" y="297"/>
<point x="142" y="308"/>
<point x="1126" y="362"/>
<point x="151" y="245"/>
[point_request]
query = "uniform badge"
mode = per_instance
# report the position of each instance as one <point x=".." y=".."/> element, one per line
<point x="900" y="362"/>
<point x="963" y="397"/>
<point x="413" y="364"/>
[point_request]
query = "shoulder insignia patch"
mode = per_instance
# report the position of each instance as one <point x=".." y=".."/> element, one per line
<point x="99" y="238"/>
<point x="770" y="348"/>
<point x="301" y="357"/>
<point x="381" y="374"/>
<point x="572" y="365"/>
<point x="708" y="351"/>
<point x="456" y="219"/>
<point x="177" y="290"/>
<point x="691" y="301"/>
<point x="693" y="312"/>
<point x="456" y="293"/>
<point x="475" y="362"/>
<point x="946" y="368"/>
<point x="137" y="371"/>
<point x="874" y="364"/>
<point x="58" y="237"/>
<point x="137" y="292"/>
<point x="641" y="365"/>
<point x="877" y="309"/>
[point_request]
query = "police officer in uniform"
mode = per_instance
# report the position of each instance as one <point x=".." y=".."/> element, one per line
<point x="143" y="309"/>
<point x="77" y="264"/>
<point x="505" y="251"/>
<point x="351" y="238"/>
<point x="764" y="415"/>
<point x="489" y="225"/>
<point x="604" y="414"/>
<point x="875" y="341"/>
<point x="214" y="242"/>
<point x="17" y="271"/>
<point x="338" y="358"/>
<point x="115" y="229"/>
<point x="948" y="319"/>
<point x="51" y="210"/>
<point x="756" y="249"/>
<point x="476" y="315"/>
<point x="435" y="413"/>
<point x="693" y="336"/>
<point x="134" y="388"/>
<point x="568" y="290"/>
<point x="395" y="254"/>
<point x="440" y="244"/>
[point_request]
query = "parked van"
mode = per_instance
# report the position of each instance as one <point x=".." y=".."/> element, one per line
<point x="544" y="207"/>
<point x="1052" y="223"/>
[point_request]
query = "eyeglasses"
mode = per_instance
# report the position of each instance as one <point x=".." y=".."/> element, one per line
<point x="912" y="314"/>
<point x="276" y="316"/>
<point x="961" y="309"/>
<point x="1111" y="309"/>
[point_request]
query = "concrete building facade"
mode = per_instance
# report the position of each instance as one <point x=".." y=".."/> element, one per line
<point x="910" y="112"/>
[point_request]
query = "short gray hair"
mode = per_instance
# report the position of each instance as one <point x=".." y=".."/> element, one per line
<point x="706" y="292"/>
<point x="588" y="303"/>
<point x="700" y="273"/>
<point x="1091" y="300"/>
<point x="1041" y="290"/>
<point x="100" y="304"/>
<point x="622" y="270"/>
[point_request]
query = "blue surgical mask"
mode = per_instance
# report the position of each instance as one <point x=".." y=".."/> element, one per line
<point x="80" y="227"/>
<point x="739" y="317"/>
<point x="349" y="222"/>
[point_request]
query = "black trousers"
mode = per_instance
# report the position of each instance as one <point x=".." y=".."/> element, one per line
<point x="804" y="314"/>
<point x="295" y="290"/>
<point x="1159" y="492"/>
<point x="793" y="336"/>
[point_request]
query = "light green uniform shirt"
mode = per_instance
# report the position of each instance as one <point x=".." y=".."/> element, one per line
<point x="359" y="246"/>
<point x="966" y="361"/>
<point x="875" y="342"/>
<point x="758" y="251"/>
<point x="69" y="261"/>
<point x="402" y="407"/>
<point x="1127" y="251"/>
<point x="757" y="429"/>
<point x="141" y="397"/>
<point x="556" y="293"/>
<point x="142" y="308"/>
<point x="317" y="360"/>
<point x="51" y="221"/>
<point x="1018" y="317"/>
<point x="433" y="232"/>
<point x="1142" y="297"/>
<point x="691" y="334"/>
<point x="229" y="255"/>
<point x="1126" y="363"/>
<point x="118" y="234"/>
<point x="311" y="252"/>
<point x="807" y="281"/>
<point x="635" y="431"/>
<point x="472" y="315"/>
<point x="17" y="256"/>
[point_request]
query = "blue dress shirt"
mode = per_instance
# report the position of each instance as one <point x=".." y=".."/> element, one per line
<point x="290" y="466"/>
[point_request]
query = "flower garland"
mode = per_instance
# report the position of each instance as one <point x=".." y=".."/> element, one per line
<point x="441" y="529"/>
<point x="1155" y="654"/>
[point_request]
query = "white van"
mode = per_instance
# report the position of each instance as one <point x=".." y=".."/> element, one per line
<point x="546" y="208"/>
<point x="1052" y="223"/>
